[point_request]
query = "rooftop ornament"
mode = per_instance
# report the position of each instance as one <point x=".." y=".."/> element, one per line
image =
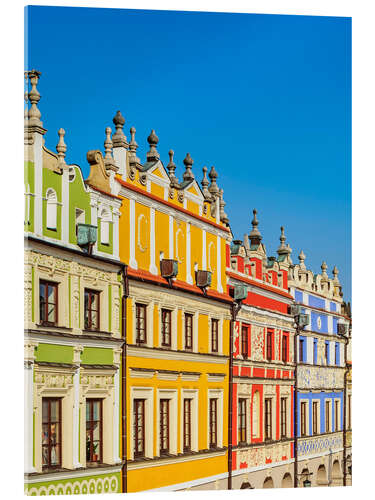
<point x="188" y="174"/>
<point x="119" y="138"/>
<point x="61" y="148"/>
<point x="153" y="140"/>
<point x="255" y="236"/>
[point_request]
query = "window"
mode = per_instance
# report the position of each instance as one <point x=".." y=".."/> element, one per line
<point x="213" y="423"/>
<point x="214" y="335"/>
<point x="315" y="353"/>
<point x="256" y="416"/>
<point x="315" y="417"/>
<point x="164" y="426"/>
<point x="303" y="419"/>
<point x="268" y="418"/>
<point x="80" y="216"/>
<point x="104" y="227"/>
<point x="284" y="348"/>
<point x="139" y="427"/>
<point x="349" y="411"/>
<point x="244" y="341"/>
<point x="51" y="432"/>
<point x="269" y="346"/>
<point x="337" y="353"/>
<point x="301" y="349"/>
<point x="326" y="352"/>
<point x="166" y="327"/>
<point x="140" y="324"/>
<point x="51" y="209"/>
<point x="337" y="415"/>
<point x="187" y="424"/>
<point x="92" y="319"/>
<point x="242" y="420"/>
<point x="283" y="418"/>
<point x="48" y="303"/>
<point x="328" y="416"/>
<point x="94" y="444"/>
<point x="188" y="331"/>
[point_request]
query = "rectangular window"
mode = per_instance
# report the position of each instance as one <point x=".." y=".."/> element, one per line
<point x="244" y="341"/>
<point x="187" y="424"/>
<point x="269" y="346"/>
<point x="213" y="423"/>
<point x="315" y="417"/>
<point x="94" y="432"/>
<point x="326" y="352"/>
<point x="301" y="344"/>
<point x="328" y="416"/>
<point x="349" y="411"/>
<point x="140" y="324"/>
<point x="284" y="349"/>
<point x="164" y="426"/>
<point x="337" y="415"/>
<point x="166" y="327"/>
<point x="92" y="315"/>
<point x="303" y="419"/>
<point x="139" y="427"/>
<point x="315" y="353"/>
<point x="214" y="335"/>
<point x="51" y="432"/>
<point x="48" y="303"/>
<point x="268" y="419"/>
<point x="188" y="332"/>
<point x="283" y="418"/>
<point x="337" y="353"/>
<point x="242" y="420"/>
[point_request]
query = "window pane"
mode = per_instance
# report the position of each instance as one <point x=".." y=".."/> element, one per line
<point x="45" y="455"/>
<point x="55" y="454"/>
<point x="94" y="319"/>
<point x="51" y="313"/>
<point x="44" y="434"/>
<point x="51" y="294"/>
<point x="54" y="411"/>
<point x="94" y="301"/>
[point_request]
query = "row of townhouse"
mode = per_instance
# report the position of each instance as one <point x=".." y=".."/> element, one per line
<point x="159" y="353"/>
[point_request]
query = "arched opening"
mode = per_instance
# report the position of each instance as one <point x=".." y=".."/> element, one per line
<point x="304" y="476"/>
<point x="51" y="219"/>
<point x="287" y="481"/>
<point x="246" y="486"/>
<point x="268" y="483"/>
<point x="255" y="412"/>
<point x="321" y="476"/>
<point x="336" y="474"/>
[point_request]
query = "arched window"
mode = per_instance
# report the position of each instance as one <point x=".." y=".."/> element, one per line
<point x="51" y="209"/>
<point x="255" y="413"/>
<point x="105" y="220"/>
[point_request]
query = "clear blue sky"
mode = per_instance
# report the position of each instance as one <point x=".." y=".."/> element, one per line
<point x="264" y="98"/>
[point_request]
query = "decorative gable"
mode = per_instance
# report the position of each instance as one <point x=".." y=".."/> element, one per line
<point x="99" y="177"/>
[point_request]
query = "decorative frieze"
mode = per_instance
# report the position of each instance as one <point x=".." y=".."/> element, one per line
<point x="319" y="444"/>
<point x="259" y="456"/>
<point x="257" y="343"/>
<point x="320" y="377"/>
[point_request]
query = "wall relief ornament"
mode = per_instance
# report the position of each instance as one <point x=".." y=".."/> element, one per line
<point x="310" y="377"/>
<point x="257" y="343"/>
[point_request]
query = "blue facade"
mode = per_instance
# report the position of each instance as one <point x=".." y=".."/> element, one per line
<point x="322" y="397"/>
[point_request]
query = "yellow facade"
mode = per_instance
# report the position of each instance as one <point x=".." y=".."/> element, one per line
<point x="159" y="220"/>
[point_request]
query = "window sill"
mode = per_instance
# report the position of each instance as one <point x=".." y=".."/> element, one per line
<point x="51" y="325"/>
<point x="96" y="332"/>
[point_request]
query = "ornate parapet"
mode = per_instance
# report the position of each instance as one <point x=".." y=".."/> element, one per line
<point x="316" y="445"/>
<point x="263" y="454"/>
<point x="320" y="377"/>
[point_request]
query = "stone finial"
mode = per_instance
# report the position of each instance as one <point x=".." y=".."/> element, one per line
<point x="61" y="147"/>
<point x="26" y="97"/>
<point x="153" y="140"/>
<point x="213" y="188"/>
<point x="188" y="162"/>
<point x="335" y="273"/>
<point x="108" y="146"/>
<point x="171" y="169"/>
<point x="119" y="138"/>
<point x="283" y="249"/>
<point x="223" y="216"/>
<point x="205" y="182"/>
<point x="255" y="236"/>
<point x="34" y="97"/>
<point x="246" y="243"/>
<point x="133" y="146"/>
<point x="324" y="267"/>
<point x="301" y="258"/>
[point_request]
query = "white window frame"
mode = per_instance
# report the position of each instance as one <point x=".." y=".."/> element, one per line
<point x="318" y="429"/>
<point x="170" y="394"/>
<point x="193" y="395"/>
<point x="146" y="393"/>
<point x="219" y="395"/>
<point x="304" y="400"/>
<point x="51" y="209"/>
<point x="105" y="218"/>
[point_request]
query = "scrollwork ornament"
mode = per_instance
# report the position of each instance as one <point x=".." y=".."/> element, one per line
<point x="131" y="172"/>
<point x="143" y="179"/>
<point x="180" y="196"/>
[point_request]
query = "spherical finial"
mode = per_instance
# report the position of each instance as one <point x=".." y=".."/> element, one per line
<point x="205" y="183"/>
<point x="119" y="138"/>
<point x="324" y="266"/>
<point x="335" y="271"/>
<point x="118" y="120"/>
<point x="152" y="139"/>
<point x="171" y="154"/>
<point x="188" y="160"/>
<point x="213" y="188"/>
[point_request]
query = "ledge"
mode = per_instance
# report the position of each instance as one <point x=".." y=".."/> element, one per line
<point x="51" y="474"/>
<point x="242" y="446"/>
<point x="180" y="457"/>
<point x="73" y="335"/>
<point x="56" y="365"/>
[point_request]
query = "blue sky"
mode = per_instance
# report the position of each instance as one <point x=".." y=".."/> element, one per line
<point x="266" y="99"/>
